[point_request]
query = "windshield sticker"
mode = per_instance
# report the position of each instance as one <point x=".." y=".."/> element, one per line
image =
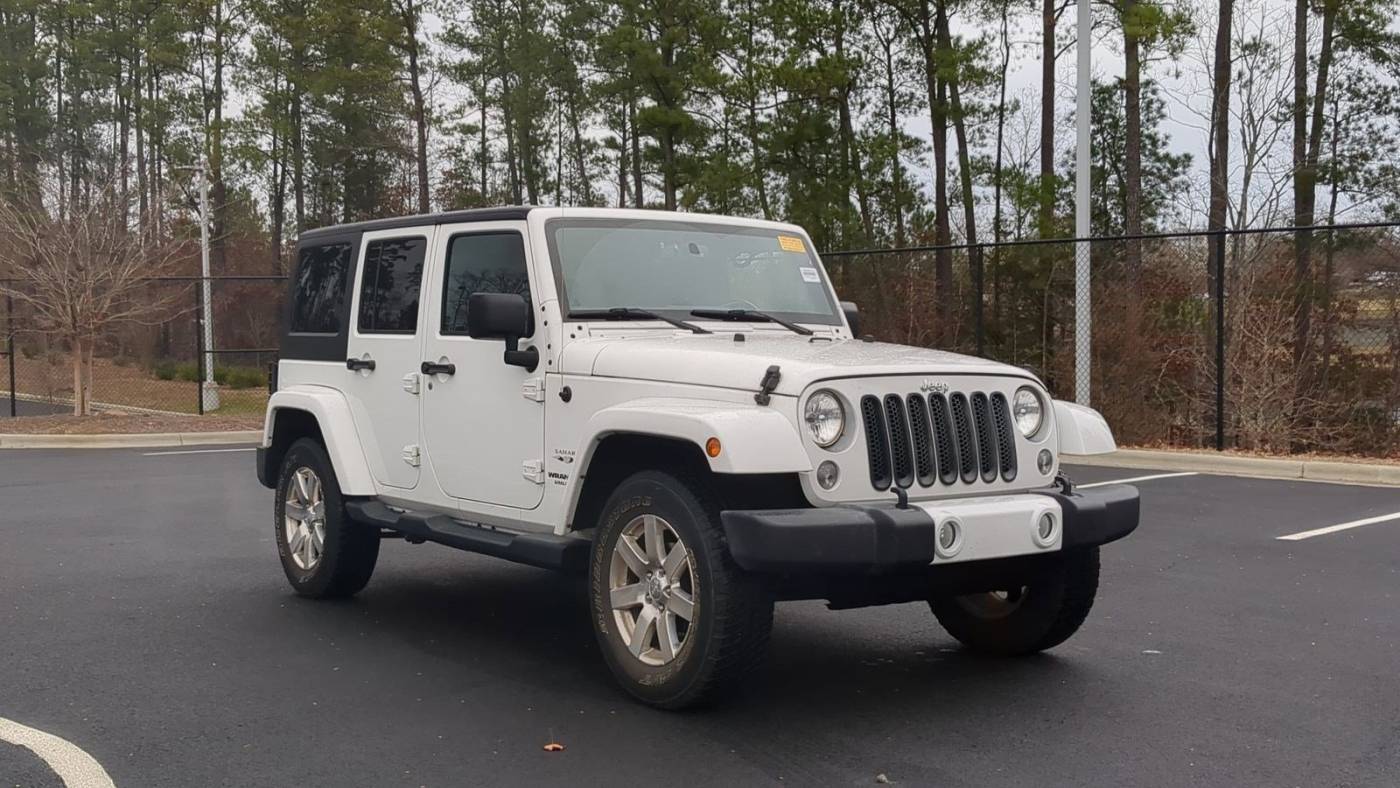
<point x="810" y="275"/>
<point x="791" y="243"/>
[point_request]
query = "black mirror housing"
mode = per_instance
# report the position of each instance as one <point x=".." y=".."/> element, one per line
<point x="503" y="316"/>
<point x="498" y="316"/>
<point x="852" y="313"/>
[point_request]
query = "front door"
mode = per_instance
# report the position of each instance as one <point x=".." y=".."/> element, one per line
<point x="483" y="423"/>
<point x="383" y="353"/>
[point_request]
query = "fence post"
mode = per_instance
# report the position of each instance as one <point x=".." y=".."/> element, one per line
<point x="10" y="350"/>
<point x="979" y="279"/>
<point x="1220" y="341"/>
<point x="199" y="349"/>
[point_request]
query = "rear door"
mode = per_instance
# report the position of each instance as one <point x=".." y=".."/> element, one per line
<point x="382" y="379"/>
<point x="483" y="424"/>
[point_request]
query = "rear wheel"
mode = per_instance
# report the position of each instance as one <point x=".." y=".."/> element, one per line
<point x="1024" y="619"/>
<point x="678" y="622"/>
<point x="323" y="553"/>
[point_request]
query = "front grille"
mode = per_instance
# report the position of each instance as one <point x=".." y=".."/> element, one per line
<point x="940" y="440"/>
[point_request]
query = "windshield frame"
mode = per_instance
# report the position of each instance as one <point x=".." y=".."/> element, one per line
<point x="552" y="225"/>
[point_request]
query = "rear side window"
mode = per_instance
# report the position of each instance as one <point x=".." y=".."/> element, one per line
<point x="318" y="293"/>
<point x="481" y="263"/>
<point x="389" y="286"/>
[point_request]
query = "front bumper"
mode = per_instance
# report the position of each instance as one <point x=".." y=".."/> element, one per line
<point x="882" y="537"/>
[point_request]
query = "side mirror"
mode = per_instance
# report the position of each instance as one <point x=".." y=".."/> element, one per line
<point x="503" y="316"/>
<point x="852" y="313"/>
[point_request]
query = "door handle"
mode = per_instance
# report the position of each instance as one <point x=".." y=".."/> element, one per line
<point x="431" y="368"/>
<point x="359" y="363"/>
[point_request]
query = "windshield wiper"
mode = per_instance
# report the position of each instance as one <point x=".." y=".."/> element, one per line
<point x="632" y="313"/>
<point x="750" y="314"/>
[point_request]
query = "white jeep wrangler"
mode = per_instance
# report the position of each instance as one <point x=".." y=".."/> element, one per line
<point x="679" y="404"/>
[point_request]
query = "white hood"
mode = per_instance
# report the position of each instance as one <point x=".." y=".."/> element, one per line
<point x="717" y="360"/>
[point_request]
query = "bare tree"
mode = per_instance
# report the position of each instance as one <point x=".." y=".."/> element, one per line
<point x="81" y="273"/>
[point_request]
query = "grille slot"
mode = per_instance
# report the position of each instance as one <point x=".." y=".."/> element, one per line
<point x="902" y="463"/>
<point x="943" y="439"/>
<point x="964" y="438"/>
<point x="1006" y="441"/>
<point x="925" y="467"/>
<point x="876" y="443"/>
<point x="986" y="441"/>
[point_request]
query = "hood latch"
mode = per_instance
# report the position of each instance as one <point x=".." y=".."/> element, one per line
<point x="766" y="386"/>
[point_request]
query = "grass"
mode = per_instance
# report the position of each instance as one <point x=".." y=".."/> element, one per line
<point x="133" y="386"/>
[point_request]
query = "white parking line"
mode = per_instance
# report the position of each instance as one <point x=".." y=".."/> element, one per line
<point x="195" y="451"/>
<point x="74" y="767"/>
<point x="1137" y="479"/>
<point x="1332" y="529"/>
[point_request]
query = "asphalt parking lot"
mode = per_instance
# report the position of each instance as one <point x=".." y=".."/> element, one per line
<point x="144" y="619"/>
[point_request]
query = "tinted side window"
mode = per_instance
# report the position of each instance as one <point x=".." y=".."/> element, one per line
<point x="482" y="263"/>
<point x="389" y="286"/>
<point x="319" y="292"/>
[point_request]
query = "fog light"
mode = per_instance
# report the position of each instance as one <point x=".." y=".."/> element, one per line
<point x="949" y="538"/>
<point x="828" y="475"/>
<point x="1045" y="529"/>
<point x="1044" y="461"/>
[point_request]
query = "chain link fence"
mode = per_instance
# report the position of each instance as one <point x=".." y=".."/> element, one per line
<point x="1198" y="339"/>
<point x="156" y="363"/>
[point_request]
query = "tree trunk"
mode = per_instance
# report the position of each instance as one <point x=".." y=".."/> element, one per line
<point x="485" y="158"/>
<point x="420" y="108"/>
<point x="638" y="198"/>
<point x="1132" y="147"/>
<point x="508" y="125"/>
<point x="974" y="252"/>
<point x="1306" y="150"/>
<point x="893" y="129"/>
<point x="931" y="31"/>
<point x="1046" y="218"/>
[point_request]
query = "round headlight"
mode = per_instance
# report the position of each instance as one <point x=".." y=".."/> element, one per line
<point x="1028" y="411"/>
<point x="825" y="417"/>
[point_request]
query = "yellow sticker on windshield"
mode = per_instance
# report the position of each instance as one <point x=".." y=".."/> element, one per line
<point x="791" y="243"/>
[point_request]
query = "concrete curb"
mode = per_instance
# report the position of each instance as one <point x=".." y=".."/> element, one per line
<point x="154" y="440"/>
<point x="1233" y="465"/>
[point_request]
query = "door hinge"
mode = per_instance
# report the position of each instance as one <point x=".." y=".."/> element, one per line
<point x="533" y="389"/>
<point x="410" y="383"/>
<point x="533" y="470"/>
<point x="413" y="455"/>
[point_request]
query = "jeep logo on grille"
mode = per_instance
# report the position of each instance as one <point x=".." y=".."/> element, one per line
<point x="930" y="385"/>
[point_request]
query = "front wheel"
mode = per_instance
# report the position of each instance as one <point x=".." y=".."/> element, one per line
<point x="678" y="622"/>
<point x="323" y="552"/>
<point x="1025" y="619"/>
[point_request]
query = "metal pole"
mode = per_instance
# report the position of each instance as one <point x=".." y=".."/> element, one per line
<point x="1083" y="303"/>
<point x="209" y="397"/>
<point x="199" y="349"/>
<point x="1220" y="341"/>
<point x="10" y="350"/>
<point x="980" y="279"/>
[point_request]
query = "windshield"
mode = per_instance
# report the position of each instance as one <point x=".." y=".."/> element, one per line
<point x="674" y="267"/>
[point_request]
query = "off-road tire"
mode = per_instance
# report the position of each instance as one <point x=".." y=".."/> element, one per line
<point x="350" y="550"/>
<point x="733" y="611"/>
<point x="1051" y="610"/>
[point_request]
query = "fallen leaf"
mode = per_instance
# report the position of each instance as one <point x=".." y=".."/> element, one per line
<point x="554" y="747"/>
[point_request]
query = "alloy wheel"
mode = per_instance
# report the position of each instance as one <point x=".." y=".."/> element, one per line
<point x="651" y="587"/>
<point x="304" y="518"/>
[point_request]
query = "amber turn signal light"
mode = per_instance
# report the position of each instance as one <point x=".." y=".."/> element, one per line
<point x="712" y="447"/>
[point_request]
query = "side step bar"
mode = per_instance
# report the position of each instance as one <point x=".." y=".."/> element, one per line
<point x="548" y="551"/>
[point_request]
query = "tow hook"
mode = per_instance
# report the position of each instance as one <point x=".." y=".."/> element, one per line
<point x="901" y="498"/>
<point x="1063" y="481"/>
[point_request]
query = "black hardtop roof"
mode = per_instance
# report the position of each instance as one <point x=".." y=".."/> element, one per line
<point x="504" y="213"/>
